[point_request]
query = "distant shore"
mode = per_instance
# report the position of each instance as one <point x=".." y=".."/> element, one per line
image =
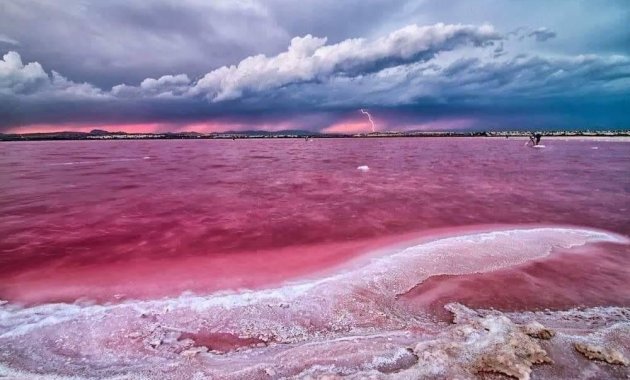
<point x="106" y="135"/>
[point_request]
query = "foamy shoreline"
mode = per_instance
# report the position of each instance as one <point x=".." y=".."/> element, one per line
<point x="345" y="324"/>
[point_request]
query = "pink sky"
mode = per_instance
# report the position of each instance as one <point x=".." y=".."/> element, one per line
<point x="362" y="125"/>
<point x="352" y="124"/>
<point x="203" y="127"/>
<point x="131" y="128"/>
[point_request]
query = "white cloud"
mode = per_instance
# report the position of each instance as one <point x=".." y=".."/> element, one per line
<point x="166" y="81"/>
<point x="309" y="58"/>
<point x="61" y="84"/>
<point x="17" y="78"/>
<point x="165" y="86"/>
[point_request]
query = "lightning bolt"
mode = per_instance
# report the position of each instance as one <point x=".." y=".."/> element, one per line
<point x="369" y="118"/>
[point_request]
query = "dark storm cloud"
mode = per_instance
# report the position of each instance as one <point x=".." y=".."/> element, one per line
<point x="542" y="88"/>
<point x="307" y="59"/>
<point x="313" y="62"/>
<point x="337" y="20"/>
<point x="118" y="41"/>
<point x="542" y="34"/>
<point x="124" y="41"/>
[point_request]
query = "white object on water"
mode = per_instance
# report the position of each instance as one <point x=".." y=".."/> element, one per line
<point x="538" y="146"/>
<point x="363" y="168"/>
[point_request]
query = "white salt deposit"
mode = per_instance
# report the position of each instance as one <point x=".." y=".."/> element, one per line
<point x="346" y="323"/>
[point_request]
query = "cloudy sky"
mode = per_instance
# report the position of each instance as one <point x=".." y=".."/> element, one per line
<point x="196" y="65"/>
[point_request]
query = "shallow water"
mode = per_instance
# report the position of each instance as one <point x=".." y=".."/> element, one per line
<point x="291" y="250"/>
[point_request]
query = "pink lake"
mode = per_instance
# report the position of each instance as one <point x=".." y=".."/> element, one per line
<point x="92" y="227"/>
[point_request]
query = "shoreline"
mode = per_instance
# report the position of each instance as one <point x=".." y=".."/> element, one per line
<point x="347" y="323"/>
<point x="114" y="283"/>
<point x="82" y="136"/>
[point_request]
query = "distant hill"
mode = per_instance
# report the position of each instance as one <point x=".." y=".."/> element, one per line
<point x="101" y="132"/>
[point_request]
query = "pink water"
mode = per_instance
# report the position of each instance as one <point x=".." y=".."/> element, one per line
<point x="118" y="221"/>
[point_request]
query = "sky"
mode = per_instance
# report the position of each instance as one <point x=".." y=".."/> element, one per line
<point x="209" y="66"/>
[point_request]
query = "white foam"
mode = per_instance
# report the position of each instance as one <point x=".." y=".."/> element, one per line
<point x="363" y="168"/>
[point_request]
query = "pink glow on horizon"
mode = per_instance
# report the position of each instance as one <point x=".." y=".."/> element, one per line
<point x="203" y="127"/>
<point x="355" y="125"/>
<point x="349" y="127"/>
<point x="50" y="128"/>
